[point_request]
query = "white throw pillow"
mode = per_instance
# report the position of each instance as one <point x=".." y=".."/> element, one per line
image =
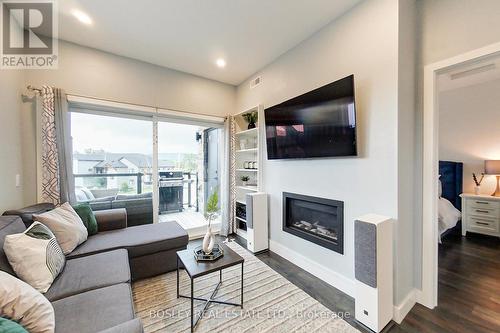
<point x="21" y="303"/>
<point x="35" y="256"/>
<point x="66" y="225"/>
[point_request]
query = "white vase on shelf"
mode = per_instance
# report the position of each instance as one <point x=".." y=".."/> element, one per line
<point x="208" y="241"/>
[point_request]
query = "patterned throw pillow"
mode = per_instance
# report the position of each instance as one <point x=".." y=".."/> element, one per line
<point x="22" y="303"/>
<point x="66" y="225"/>
<point x="35" y="256"/>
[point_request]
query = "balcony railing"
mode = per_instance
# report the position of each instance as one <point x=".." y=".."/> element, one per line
<point x="112" y="175"/>
<point x="188" y="181"/>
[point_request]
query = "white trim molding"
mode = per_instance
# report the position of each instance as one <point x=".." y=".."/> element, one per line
<point x="403" y="308"/>
<point x="333" y="278"/>
<point x="91" y="103"/>
<point x="428" y="296"/>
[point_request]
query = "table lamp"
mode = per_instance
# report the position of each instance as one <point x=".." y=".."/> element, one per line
<point x="492" y="167"/>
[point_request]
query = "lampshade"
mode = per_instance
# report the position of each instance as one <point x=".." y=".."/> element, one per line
<point x="492" y="167"/>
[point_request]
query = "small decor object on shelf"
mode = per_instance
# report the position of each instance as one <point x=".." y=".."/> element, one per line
<point x="251" y="118"/>
<point x="245" y="180"/>
<point x="216" y="253"/>
<point x="243" y="144"/>
<point x="477" y="188"/>
<point x="210" y="214"/>
<point x="246" y="165"/>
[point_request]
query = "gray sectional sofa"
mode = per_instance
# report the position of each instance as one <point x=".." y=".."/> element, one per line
<point x="93" y="292"/>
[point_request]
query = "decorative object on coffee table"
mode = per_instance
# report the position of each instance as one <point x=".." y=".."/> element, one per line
<point x="210" y="214"/>
<point x="251" y="118"/>
<point x="477" y="188"/>
<point x="196" y="269"/>
<point x="216" y="253"/>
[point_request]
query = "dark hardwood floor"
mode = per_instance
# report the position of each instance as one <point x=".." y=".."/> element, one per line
<point x="469" y="288"/>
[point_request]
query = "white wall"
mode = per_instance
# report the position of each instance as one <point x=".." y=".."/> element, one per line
<point x="11" y="164"/>
<point x="469" y="130"/>
<point x="407" y="66"/>
<point x="452" y="27"/>
<point x="89" y="72"/>
<point x="364" y="42"/>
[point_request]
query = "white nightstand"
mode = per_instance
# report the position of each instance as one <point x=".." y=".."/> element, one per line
<point x="480" y="214"/>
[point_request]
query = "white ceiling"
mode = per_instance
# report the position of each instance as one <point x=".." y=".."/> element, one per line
<point x="190" y="35"/>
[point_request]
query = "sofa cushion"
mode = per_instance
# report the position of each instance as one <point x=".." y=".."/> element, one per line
<point x="26" y="213"/>
<point x="139" y="240"/>
<point x="35" y="256"/>
<point x="134" y="196"/>
<point x="100" y="205"/>
<point x="87" y="215"/>
<point x="21" y="302"/>
<point x="8" y="225"/>
<point x="66" y="225"/>
<point x="131" y="326"/>
<point x="94" y="310"/>
<point x="91" y="272"/>
<point x="10" y="326"/>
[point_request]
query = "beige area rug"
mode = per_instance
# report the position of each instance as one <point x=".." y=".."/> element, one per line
<point x="271" y="303"/>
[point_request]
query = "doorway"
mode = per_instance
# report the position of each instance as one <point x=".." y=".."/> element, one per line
<point x="430" y="233"/>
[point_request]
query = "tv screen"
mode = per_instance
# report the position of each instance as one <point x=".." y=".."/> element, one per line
<point x="320" y="123"/>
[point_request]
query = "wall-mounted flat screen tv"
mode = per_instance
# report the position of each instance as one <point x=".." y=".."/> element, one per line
<point x="320" y="123"/>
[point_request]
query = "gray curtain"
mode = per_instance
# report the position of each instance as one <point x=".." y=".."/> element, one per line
<point x="228" y="189"/>
<point x="64" y="147"/>
<point x="57" y="164"/>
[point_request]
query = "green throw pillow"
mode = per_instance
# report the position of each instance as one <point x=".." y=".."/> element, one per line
<point x="87" y="215"/>
<point x="9" y="326"/>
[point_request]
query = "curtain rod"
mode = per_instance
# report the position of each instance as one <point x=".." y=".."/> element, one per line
<point x="31" y="88"/>
<point x="39" y="90"/>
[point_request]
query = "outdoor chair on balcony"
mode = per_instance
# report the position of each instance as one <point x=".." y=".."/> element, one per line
<point x="139" y="206"/>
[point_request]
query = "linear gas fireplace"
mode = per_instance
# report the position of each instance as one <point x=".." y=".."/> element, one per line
<point x="317" y="220"/>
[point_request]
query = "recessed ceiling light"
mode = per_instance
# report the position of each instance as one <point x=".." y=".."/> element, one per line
<point x="81" y="16"/>
<point x="221" y="63"/>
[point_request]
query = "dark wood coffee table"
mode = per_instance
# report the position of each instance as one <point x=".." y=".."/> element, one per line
<point x="196" y="269"/>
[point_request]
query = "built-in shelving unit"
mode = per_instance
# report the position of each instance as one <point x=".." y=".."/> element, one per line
<point x="248" y="159"/>
<point x="248" y="188"/>
<point x="249" y="150"/>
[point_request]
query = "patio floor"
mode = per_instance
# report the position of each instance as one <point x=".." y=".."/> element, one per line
<point x="192" y="221"/>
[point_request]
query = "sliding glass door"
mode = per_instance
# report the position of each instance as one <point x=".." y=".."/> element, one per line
<point x="160" y="170"/>
<point x="113" y="163"/>
<point x="188" y="165"/>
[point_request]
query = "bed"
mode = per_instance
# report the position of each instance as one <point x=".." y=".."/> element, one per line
<point x="449" y="201"/>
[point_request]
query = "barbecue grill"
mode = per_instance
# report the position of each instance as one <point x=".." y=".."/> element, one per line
<point x="171" y="191"/>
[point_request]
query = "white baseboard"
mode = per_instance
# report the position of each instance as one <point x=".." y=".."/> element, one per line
<point x="331" y="277"/>
<point x="421" y="298"/>
<point x="401" y="310"/>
